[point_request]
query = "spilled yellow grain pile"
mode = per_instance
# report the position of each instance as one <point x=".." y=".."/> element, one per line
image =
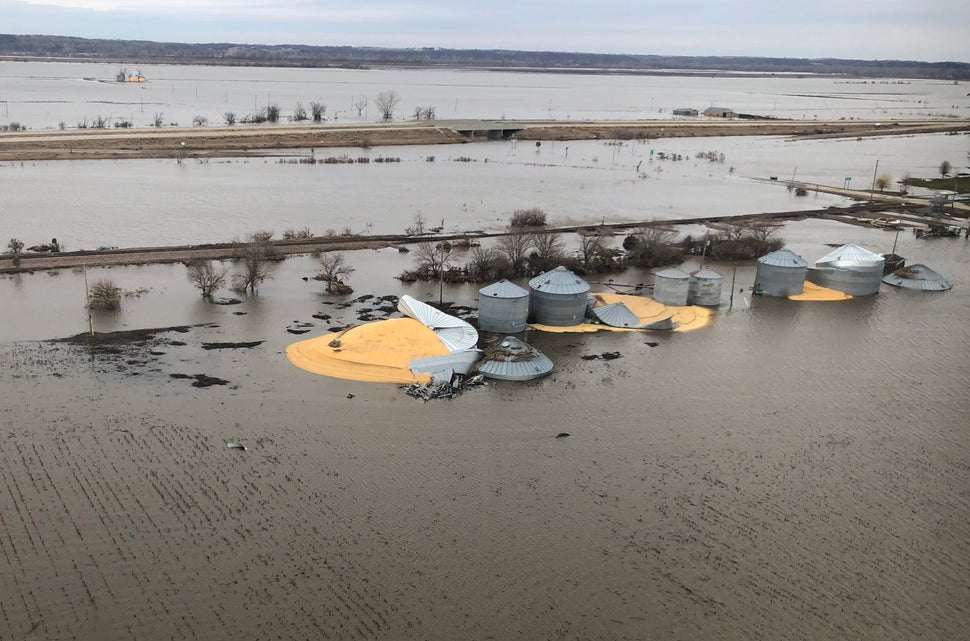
<point x="813" y="292"/>
<point x="375" y="352"/>
<point x="687" y="318"/>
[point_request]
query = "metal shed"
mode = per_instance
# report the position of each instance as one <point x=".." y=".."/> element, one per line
<point x="503" y="307"/>
<point x="849" y="269"/>
<point x="704" y="288"/>
<point x="558" y="298"/>
<point x="670" y="287"/>
<point x="513" y="360"/>
<point x="780" y="273"/>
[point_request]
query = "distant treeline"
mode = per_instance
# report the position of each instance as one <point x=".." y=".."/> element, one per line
<point x="140" y="51"/>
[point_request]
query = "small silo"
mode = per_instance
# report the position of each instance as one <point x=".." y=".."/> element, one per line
<point x="670" y="287"/>
<point x="705" y="288"/>
<point x="558" y="298"/>
<point x="780" y="273"/>
<point x="503" y="308"/>
<point x="849" y="269"/>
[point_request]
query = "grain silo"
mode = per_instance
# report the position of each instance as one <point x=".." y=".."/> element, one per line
<point x="850" y="269"/>
<point x="503" y="308"/>
<point x="670" y="287"/>
<point x="558" y="298"/>
<point x="780" y="273"/>
<point x="704" y="288"/>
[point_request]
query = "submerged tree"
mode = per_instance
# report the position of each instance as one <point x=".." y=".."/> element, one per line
<point x="333" y="271"/>
<point x="258" y="255"/>
<point x="104" y="295"/>
<point x="945" y="168"/>
<point x="386" y="101"/>
<point x="206" y="277"/>
<point x="317" y="110"/>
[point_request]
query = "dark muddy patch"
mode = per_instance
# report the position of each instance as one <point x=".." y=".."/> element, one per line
<point x="239" y="345"/>
<point x="201" y="380"/>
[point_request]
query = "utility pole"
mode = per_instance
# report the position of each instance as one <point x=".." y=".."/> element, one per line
<point x="87" y="299"/>
<point x="734" y="276"/>
<point x="872" y="187"/>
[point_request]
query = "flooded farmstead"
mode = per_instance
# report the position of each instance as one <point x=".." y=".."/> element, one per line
<point x="693" y="403"/>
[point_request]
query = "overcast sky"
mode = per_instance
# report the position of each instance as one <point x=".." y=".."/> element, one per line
<point x="931" y="30"/>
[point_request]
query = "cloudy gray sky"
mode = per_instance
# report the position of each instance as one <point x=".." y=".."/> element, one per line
<point x="930" y="30"/>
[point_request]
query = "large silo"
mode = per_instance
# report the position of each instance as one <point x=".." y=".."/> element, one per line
<point x="705" y="288"/>
<point x="558" y="298"/>
<point x="780" y="273"/>
<point x="849" y="269"/>
<point x="670" y="287"/>
<point x="503" y="308"/>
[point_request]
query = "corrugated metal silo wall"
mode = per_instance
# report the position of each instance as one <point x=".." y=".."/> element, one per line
<point x="779" y="281"/>
<point x="858" y="281"/>
<point x="561" y="310"/>
<point x="503" y="315"/>
<point x="671" y="291"/>
<point x="704" y="291"/>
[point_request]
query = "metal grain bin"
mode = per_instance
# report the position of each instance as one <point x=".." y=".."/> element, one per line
<point x="558" y="298"/>
<point x="849" y="269"/>
<point x="670" y="287"/>
<point x="780" y="273"/>
<point x="704" y="288"/>
<point x="503" y="308"/>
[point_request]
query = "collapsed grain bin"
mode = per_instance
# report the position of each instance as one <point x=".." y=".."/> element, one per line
<point x="917" y="276"/>
<point x="514" y="360"/>
<point x="503" y="308"/>
<point x="704" y="288"/>
<point x="849" y="269"/>
<point x="780" y="273"/>
<point x="670" y="287"/>
<point x="558" y="298"/>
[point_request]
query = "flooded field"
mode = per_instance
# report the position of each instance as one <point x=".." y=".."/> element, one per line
<point x="137" y="203"/>
<point x="43" y="94"/>
<point x="795" y="471"/>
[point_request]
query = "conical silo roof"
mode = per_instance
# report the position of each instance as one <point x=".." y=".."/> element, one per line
<point x="559" y="281"/>
<point x="503" y="289"/>
<point x="616" y="315"/>
<point x="917" y="276"/>
<point x="672" y="273"/>
<point x="707" y="274"/>
<point x="513" y="360"/>
<point x="850" y="256"/>
<point x="456" y="334"/>
<point x="783" y="258"/>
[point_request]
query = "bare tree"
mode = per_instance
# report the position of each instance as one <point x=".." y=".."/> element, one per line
<point x="945" y="168"/>
<point x="273" y="113"/>
<point x="206" y="277"/>
<point x="549" y="246"/>
<point x="386" y="101"/>
<point x="158" y="119"/>
<point x="433" y="258"/>
<point x="257" y="257"/>
<point x="515" y="247"/>
<point x="360" y="105"/>
<point x="417" y="228"/>
<point x="229" y="117"/>
<point x="333" y="271"/>
<point x="99" y="122"/>
<point x="883" y="181"/>
<point x="485" y="263"/>
<point x="317" y="110"/>
<point x="299" y="113"/>
<point x="200" y="121"/>
<point x="591" y="249"/>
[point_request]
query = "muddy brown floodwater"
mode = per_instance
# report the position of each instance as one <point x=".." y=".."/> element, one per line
<point x="794" y="471"/>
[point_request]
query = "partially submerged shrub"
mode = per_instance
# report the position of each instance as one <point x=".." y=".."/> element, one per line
<point x="104" y="295"/>
<point x="534" y="217"/>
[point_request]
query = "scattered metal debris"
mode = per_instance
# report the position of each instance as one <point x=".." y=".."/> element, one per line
<point x="233" y="445"/>
<point x="443" y="389"/>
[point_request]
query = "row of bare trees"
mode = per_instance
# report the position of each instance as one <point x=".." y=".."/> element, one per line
<point x="256" y="259"/>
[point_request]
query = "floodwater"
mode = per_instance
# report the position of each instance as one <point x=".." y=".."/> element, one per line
<point x="137" y="203"/>
<point x="793" y="471"/>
